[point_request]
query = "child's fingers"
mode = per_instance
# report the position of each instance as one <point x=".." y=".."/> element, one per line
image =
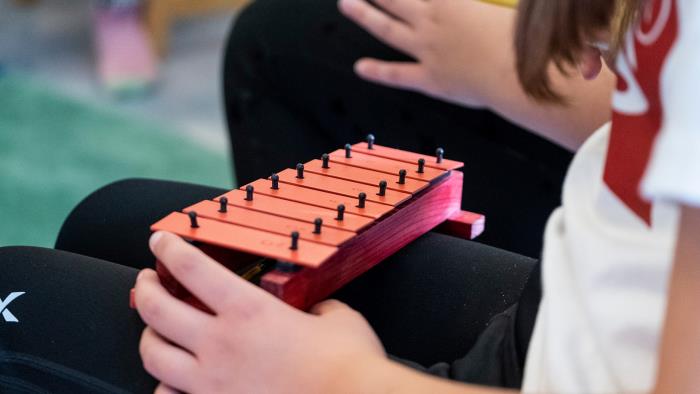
<point x="403" y="75"/>
<point x="212" y="283"/>
<point x="163" y="389"/>
<point x="408" y="10"/>
<point x="385" y="28"/>
<point x="167" y="315"/>
<point x="167" y="363"/>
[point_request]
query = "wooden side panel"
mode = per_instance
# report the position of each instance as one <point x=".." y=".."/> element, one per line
<point x="344" y="187"/>
<point x="385" y="165"/>
<point x="405" y="156"/>
<point x="274" y="224"/>
<point x="296" y="210"/>
<point x="309" y="286"/>
<point x="321" y="199"/>
<point x="367" y="177"/>
<point x="231" y="236"/>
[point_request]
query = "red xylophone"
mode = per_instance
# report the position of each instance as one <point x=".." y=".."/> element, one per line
<point x="303" y="233"/>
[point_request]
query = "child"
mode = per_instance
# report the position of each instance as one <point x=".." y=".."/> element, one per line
<point x="607" y="254"/>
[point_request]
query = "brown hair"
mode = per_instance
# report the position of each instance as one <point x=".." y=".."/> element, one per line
<point x="556" y="31"/>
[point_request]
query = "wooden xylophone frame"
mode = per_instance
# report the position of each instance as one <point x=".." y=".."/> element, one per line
<point x="436" y="206"/>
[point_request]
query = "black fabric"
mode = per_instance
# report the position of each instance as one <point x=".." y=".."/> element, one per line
<point x="428" y="303"/>
<point x="291" y="95"/>
<point x="76" y="332"/>
<point x="492" y="361"/>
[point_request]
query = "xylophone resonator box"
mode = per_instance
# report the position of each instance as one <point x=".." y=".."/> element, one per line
<point x="305" y="232"/>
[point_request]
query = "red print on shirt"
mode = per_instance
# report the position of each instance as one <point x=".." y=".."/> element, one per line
<point x="638" y="115"/>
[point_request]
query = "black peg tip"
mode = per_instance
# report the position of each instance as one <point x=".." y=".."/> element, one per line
<point x="402" y="177"/>
<point x="275" y="182"/>
<point x="440" y="153"/>
<point x="300" y="171"/>
<point x="223" y="207"/>
<point x="318" y="223"/>
<point x="341" y="212"/>
<point x="370" y="141"/>
<point x="362" y="197"/>
<point x="249" y="193"/>
<point x="325" y="159"/>
<point x="382" y="188"/>
<point x="193" y="219"/>
<point x="421" y="166"/>
<point x="348" y="151"/>
<point x="295" y="240"/>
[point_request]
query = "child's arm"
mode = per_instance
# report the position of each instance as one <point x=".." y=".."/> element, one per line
<point x="464" y="53"/>
<point x="680" y="347"/>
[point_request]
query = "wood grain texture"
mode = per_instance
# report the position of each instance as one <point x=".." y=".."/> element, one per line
<point x="429" y="208"/>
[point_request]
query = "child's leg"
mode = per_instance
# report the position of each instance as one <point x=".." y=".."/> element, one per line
<point x="288" y="82"/>
<point x="432" y="300"/>
<point x="71" y="329"/>
<point x="428" y="303"/>
<point x="113" y="223"/>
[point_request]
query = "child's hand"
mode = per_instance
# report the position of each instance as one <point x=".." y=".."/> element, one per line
<point x="254" y="342"/>
<point x="462" y="47"/>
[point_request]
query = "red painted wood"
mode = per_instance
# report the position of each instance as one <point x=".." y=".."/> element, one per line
<point x="341" y="186"/>
<point x="318" y="198"/>
<point x="430" y="208"/>
<point x="368" y="177"/>
<point x="463" y="224"/>
<point x="296" y="210"/>
<point x="267" y="222"/>
<point x="258" y="242"/>
<point x="385" y="165"/>
<point x="408" y="157"/>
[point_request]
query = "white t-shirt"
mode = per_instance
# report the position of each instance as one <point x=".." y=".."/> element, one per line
<point x="609" y="249"/>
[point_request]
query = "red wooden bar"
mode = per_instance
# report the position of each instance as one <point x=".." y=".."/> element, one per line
<point x="386" y="165"/>
<point x="308" y="196"/>
<point x="295" y="210"/>
<point x="346" y="188"/>
<point x="267" y="222"/>
<point x="408" y="157"/>
<point x="258" y="242"/>
<point x="368" y="177"/>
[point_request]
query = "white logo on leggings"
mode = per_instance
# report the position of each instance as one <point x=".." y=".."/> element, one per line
<point x="6" y="314"/>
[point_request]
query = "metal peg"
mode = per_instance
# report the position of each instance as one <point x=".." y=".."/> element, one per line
<point x="223" y="204"/>
<point x="300" y="171"/>
<point x="402" y="177"/>
<point x="275" y="182"/>
<point x="295" y="240"/>
<point x="348" y="151"/>
<point x="382" y="188"/>
<point x="341" y="212"/>
<point x="370" y="141"/>
<point x="440" y="153"/>
<point x="362" y="197"/>
<point x="325" y="159"/>
<point x="249" y="192"/>
<point x="193" y="219"/>
<point x="421" y="166"/>
<point x="318" y="223"/>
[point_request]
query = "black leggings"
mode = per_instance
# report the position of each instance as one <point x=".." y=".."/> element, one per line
<point x="428" y="303"/>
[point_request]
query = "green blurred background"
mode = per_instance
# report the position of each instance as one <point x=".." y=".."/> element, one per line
<point x="55" y="150"/>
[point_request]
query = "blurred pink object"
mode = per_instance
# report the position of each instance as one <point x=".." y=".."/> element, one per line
<point x="126" y="62"/>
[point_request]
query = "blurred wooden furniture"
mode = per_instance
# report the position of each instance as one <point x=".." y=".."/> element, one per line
<point x="160" y="14"/>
